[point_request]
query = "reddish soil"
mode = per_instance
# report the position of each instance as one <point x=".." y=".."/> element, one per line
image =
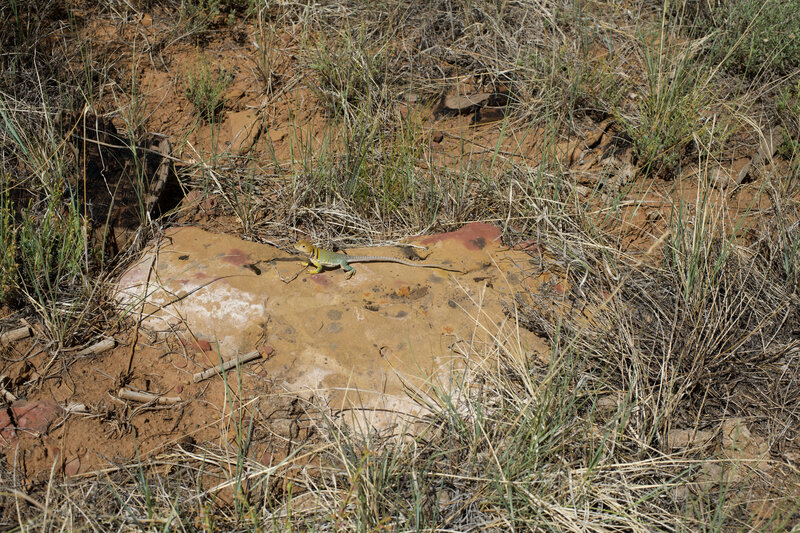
<point x="265" y="127"/>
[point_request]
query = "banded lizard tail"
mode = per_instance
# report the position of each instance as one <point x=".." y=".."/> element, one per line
<point x="326" y="258"/>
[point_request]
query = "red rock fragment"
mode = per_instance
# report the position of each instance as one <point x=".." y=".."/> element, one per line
<point x="192" y="200"/>
<point x="8" y="434"/>
<point x="265" y="350"/>
<point x="36" y="416"/>
<point x="27" y="417"/>
<point x="72" y="467"/>
<point x="531" y="246"/>
<point x="199" y="345"/>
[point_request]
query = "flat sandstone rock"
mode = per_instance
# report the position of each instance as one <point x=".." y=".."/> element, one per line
<point x="355" y="343"/>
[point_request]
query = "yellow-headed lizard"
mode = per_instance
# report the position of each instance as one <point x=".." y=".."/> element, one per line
<point x="325" y="258"/>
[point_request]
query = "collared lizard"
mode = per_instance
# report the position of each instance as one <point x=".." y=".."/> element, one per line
<point x="326" y="258"/>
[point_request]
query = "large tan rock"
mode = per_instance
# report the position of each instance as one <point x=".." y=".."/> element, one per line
<point x="358" y="343"/>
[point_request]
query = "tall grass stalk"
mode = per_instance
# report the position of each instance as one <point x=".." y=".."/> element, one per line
<point x="52" y="247"/>
<point x="8" y="241"/>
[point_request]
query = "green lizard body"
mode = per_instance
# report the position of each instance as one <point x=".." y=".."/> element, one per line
<point x="326" y="258"/>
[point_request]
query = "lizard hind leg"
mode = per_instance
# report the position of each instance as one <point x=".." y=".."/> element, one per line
<point x="348" y="270"/>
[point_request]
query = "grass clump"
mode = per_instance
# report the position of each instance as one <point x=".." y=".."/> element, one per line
<point x="200" y="16"/>
<point x="787" y="104"/>
<point x="667" y="118"/>
<point x="205" y="88"/>
<point x="754" y="37"/>
<point x="52" y="248"/>
<point x="375" y="172"/>
<point x="349" y="72"/>
<point x="48" y="258"/>
<point x="700" y="319"/>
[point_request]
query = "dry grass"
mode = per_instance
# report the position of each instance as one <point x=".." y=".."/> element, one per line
<point x="698" y="328"/>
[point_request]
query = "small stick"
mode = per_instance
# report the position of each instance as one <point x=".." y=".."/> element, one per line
<point x="76" y="408"/>
<point x="146" y="397"/>
<point x="15" y="334"/>
<point x="5" y="393"/>
<point x="100" y="347"/>
<point x="227" y="365"/>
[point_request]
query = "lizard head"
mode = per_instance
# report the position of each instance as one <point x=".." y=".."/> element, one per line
<point x="304" y="246"/>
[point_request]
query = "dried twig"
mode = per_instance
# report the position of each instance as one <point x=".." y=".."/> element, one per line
<point x="5" y="394"/>
<point x="227" y="365"/>
<point x="15" y="335"/>
<point x="100" y="347"/>
<point x="146" y="397"/>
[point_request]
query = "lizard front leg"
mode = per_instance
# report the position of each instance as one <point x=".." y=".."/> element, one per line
<point x="315" y="270"/>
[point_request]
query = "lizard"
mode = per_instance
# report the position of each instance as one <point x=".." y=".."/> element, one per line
<point x="326" y="258"/>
